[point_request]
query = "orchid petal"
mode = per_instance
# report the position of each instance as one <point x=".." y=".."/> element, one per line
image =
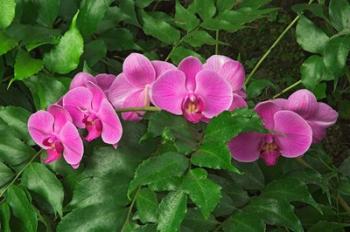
<point x="61" y="116"/>
<point x="246" y="146"/>
<point x="215" y="92"/>
<point x="190" y="66"/>
<point x="138" y="70"/>
<point x="161" y="67"/>
<point x="80" y="79"/>
<point x="303" y="102"/>
<point x="169" y="91"/>
<point x="266" y="111"/>
<point x="136" y="99"/>
<point x="104" y="81"/>
<point x="40" y="126"/>
<point x="238" y="102"/>
<point x="293" y="133"/>
<point x="97" y="95"/>
<point x="233" y="72"/>
<point x="215" y="62"/>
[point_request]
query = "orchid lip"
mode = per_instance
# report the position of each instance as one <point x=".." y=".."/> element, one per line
<point x="192" y="108"/>
<point x="269" y="151"/>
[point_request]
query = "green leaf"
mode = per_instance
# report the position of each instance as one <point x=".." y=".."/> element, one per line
<point x="16" y="118"/>
<point x="290" y="189"/>
<point x="181" y="52"/>
<point x="223" y="5"/>
<point x="214" y="152"/>
<point x="274" y="212"/>
<point x="5" y="216"/>
<point x="254" y="3"/>
<point x="203" y="192"/>
<point x="95" y="51"/>
<point x="90" y="15"/>
<point x="244" y="222"/>
<point x="339" y="14"/>
<point x="6" y="174"/>
<point x="124" y="37"/>
<point x="159" y="29"/>
<point x="21" y="208"/>
<point x="143" y="3"/>
<point x="184" y="18"/>
<point x="37" y="178"/>
<point x="26" y="66"/>
<point x="127" y="7"/>
<point x="336" y="53"/>
<point x="158" y="168"/>
<point x="48" y="11"/>
<point x="256" y="87"/>
<point x="46" y="90"/>
<point x="194" y="221"/>
<point x="100" y="217"/>
<point x="7" y="12"/>
<point x="205" y="8"/>
<point x="310" y="37"/>
<point x="313" y="72"/>
<point x="147" y="205"/>
<point x="251" y="178"/>
<point x="172" y="211"/>
<point x="6" y="43"/>
<point x="198" y="38"/>
<point x="326" y="226"/>
<point x="65" y="56"/>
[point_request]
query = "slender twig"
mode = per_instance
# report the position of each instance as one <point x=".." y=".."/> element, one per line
<point x="217" y="42"/>
<point x="287" y="89"/>
<point x="146" y="108"/>
<point x="130" y="210"/>
<point x="19" y="173"/>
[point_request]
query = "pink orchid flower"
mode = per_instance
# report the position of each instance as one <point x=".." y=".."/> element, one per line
<point x="289" y="135"/>
<point x="318" y="115"/>
<point x="54" y="131"/>
<point x="191" y="91"/>
<point x="103" y="80"/>
<point x="131" y="88"/>
<point x="91" y="110"/>
<point x="233" y="72"/>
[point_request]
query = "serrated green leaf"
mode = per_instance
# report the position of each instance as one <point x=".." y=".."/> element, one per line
<point x="26" y="66"/>
<point x="127" y="7"/>
<point x="203" y="192"/>
<point x="21" y="208"/>
<point x="310" y="37"/>
<point x="223" y="5"/>
<point x="339" y="14"/>
<point x="65" y="56"/>
<point x="205" y="8"/>
<point x="37" y="178"/>
<point x="195" y="222"/>
<point x="48" y="11"/>
<point x="124" y="37"/>
<point x="90" y="15"/>
<point x="159" y="29"/>
<point x="6" y="43"/>
<point x="256" y="87"/>
<point x="147" y="205"/>
<point x="198" y="38"/>
<point x="184" y="18"/>
<point x="16" y="118"/>
<point x="158" y="168"/>
<point x="99" y="217"/>
<point x="6" y="174"/>
<point x="244" y="222"/>
<point x="251" y="178"/>
<point x="172" y="211"/>
<point x="7" y="12"/>
<point x="313" y="71"/>
<point x="181" y="52"/>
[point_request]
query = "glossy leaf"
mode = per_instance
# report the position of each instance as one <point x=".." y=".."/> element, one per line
<point x="244" y="222"/>
<point x="313" y="71"/>
<point x="194" y="221"/>
<point x="184" y="18"/>
<point x="5" y="216"/>
<point x="7" y="12"/>
<point x="21" y="208"/>
<point x="94" y="52"/>
<point x="37" y="178"/>
<point x="26" y="66"/>
<point x="48" y="11"/>
<point x="205" y="8"/>
<point x="202" y="191"/>
<point x="65" y="56"/>
<point x="147" y="205"/>
<point x="6" y="174"/>
<point x="339" y="14"/>
<point x="198" y="38"/>
<point x="16" y="118"/>
<point x="172" y="211"/>
<point x="158" y="168"/>
<point x="6" y="43"/>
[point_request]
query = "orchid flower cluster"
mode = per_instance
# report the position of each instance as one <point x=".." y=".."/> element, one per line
<point x="197" y="91"/>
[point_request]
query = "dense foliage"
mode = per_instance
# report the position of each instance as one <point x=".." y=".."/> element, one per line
<point x="168" y="172"/>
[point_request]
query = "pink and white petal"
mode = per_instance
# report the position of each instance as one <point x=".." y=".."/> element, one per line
<point x="281" y="102"/>
<point x="80" y="79"/>
<point x="72" y="143"/>
<point x="266" y="111"/>
<point x="136" y="99"/>
<point x="238" y="102"/>
<point x="111" y="127"/>
<point x="293" y="133"/>
<point x="169" y="91"/>
<point x="303" y="102"/>
<point x="121" y="88"/>
<point x="190" y="66"/>
<point x="138" y="70"/>
<point x="215" y="92"/>
<point x="234" y="73"/>
<point x="161" y="67"/>
<point x="97" y="96"/>
<point x="61" y="116"/>
<point x="215" y="62"/>
<point x="319" y="132"/>
<point x="104" y="81"/>
<point x="246" y="146"/>
<point x="325" y="115"/>
<point x="40" y="126"/>
<point x="76" y="102"/>
<point x="52" y="156"/>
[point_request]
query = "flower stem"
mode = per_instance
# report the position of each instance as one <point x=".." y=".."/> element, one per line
<point x="129" y="211"/>
<point x="287" y="89"/>
<point x="279" y="38"/>
<point x="146" y="108"/>
<point x="19" y="173"/>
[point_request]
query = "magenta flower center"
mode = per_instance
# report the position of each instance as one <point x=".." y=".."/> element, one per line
<point x="192" y="108"/>
<point x="93" y="126"/>
<point x="269" y="151"/>
<point x="54" y="149"/>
